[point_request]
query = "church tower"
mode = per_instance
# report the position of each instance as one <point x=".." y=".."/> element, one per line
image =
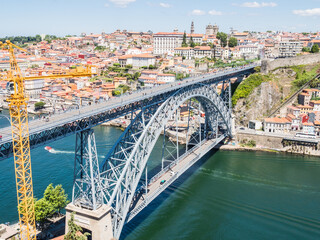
<point x="192" y="28"/>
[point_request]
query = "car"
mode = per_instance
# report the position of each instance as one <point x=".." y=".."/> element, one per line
<point x="242" y="128"/>
<point x="162" y="182"/>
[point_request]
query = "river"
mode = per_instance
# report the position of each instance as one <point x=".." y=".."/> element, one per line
<point x="229" y="195"/>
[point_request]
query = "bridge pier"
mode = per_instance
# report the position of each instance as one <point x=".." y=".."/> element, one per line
<point x="87" y="199"/>
<point x="96" y="222"/>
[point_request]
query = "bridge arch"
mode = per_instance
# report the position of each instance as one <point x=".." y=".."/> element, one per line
<point x="124" y="165"/>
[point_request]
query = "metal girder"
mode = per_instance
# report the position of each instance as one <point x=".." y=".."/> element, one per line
<point x="86" y="190"/>
<point x="62" y="130"/>
<point x="120" y="178"/>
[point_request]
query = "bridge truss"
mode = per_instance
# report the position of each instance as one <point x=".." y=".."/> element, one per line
<point x="126" y="162"/>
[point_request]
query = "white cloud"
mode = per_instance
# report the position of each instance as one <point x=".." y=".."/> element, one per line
<point x="215" y="13"/>
<point x="307" y="12"/>
<point x="106" y="5"/>
<point x="165" y="5"/>
<point x="122" y="3"/>
<point x="198" y="12"/>
<point x="257" y="5"/>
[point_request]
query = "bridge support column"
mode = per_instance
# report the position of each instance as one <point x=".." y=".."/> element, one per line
<point x="87" y="200"/>
<point x="96" y="222"/>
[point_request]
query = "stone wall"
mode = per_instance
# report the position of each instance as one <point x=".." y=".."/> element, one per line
<point x="269" y="65"/>
<point x="261" y="140"/>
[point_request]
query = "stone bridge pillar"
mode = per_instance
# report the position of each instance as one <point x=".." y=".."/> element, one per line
<point x="96" y="222"/>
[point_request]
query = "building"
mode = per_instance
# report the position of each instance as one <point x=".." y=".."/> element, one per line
<point x="166" y="78"/>
<point x="33" y="88"/>
<point x="295" y="121"/>
<point x="202" y="51"/>
<point x="184" y="52"/>
<point x="137" y="61"/>
<point x="255" y="124"/>
<point x="293" y="110"/>
<point x="277" y="125"/>
<point x="165" y="43"/>
<point x="308" y="128"/>
<point x="304" y="98"/>
<point x="305" y="109"/>
<point x="192" y="28"/>
<point x="289" y="48"/>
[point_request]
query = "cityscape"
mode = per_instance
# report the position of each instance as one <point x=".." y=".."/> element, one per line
<point x="201" y="128"/>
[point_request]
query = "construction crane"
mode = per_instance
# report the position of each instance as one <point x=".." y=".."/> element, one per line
<point x="20" y="137"/>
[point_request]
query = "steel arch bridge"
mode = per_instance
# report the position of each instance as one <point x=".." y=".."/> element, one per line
<point x="116" y="182"/>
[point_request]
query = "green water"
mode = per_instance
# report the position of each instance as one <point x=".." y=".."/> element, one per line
<point x="229" y="195"/>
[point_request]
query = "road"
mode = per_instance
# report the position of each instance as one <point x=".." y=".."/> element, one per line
<point x="170" y="174"/>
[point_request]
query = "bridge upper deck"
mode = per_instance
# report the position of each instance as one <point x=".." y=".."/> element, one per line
<point x="61" y="125"/>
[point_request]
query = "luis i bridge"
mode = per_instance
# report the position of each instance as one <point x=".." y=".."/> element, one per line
<point x="107" y="196"/>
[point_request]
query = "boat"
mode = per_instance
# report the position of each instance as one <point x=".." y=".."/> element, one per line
<point x="49" y="149"/>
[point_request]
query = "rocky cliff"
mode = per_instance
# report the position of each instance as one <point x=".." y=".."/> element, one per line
<point x="268" y="93"/>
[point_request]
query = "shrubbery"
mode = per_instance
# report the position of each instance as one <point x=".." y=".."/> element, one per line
<point x="248" y="85"/>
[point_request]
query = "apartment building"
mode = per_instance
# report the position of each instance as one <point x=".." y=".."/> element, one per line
<point x="289" y="48"/>
<point x="165" y="43"/>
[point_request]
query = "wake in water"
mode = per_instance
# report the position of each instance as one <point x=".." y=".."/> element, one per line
<point x="54" y="151"/>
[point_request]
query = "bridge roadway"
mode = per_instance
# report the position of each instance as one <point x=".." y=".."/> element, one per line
<point x="170" y="174"/>
<point x="62" y="125"/>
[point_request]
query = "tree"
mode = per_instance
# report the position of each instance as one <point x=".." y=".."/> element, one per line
<point x="315" y="48"/>
<point x="223" y="37"/>
<point x="151" y="66"/>
<point x="233" y="42"/>
<point x="56" y="196"/>
<point x="75" y="231"/>
<point x="305" y="49"/>
<point x="42" y="210"/>
<point x="192" y="44"/>
<point x="184" y="40"/>
<point x="39" y="105"/>
<point x="136" y="75"/>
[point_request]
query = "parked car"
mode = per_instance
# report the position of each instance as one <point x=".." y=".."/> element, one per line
<point x="162" y="182"/>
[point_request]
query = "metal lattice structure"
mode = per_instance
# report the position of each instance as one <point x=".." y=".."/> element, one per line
<point x="86" y="190"/>
<point x="125" y="163"/>
<point x="21" y="147"/>
<point x="102" y="113"/>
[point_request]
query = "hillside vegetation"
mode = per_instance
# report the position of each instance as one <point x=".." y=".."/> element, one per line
<point x="259" y="94"/>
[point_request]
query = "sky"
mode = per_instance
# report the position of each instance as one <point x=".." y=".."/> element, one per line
<point x="62" y="17"/>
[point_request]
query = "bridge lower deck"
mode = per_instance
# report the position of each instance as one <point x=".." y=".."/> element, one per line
<point x="171" y="173"/>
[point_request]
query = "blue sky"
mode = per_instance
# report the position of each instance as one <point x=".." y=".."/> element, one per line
<point x="61" y="17"/>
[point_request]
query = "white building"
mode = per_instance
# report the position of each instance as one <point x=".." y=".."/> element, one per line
<point x="186" y="52"/>
<point x="289" y="48"/>
<point x="33" y="88"/>
<point x="202" y="51"/>
<point x="277" y="125"/>
<point x="166" y="78"/>
<point x="137" y="61"/>
<point x="165" y="43"/>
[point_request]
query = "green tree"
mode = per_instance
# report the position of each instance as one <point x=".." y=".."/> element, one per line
<point x="75" y="231"/>
<point x="223" y="37"/>
<point x="315" y="48"/>
<point x="305" y="49"/>
<point x="56" y="196"/>
<point x="39" y="105"/>
<point x="184" y="40"/>
<point x="43" y="209"/>
<point x="192" y="44"/>
<point x="233" y="42"/>
<point x="136" y="75"/>
<point x="151" y="66"/>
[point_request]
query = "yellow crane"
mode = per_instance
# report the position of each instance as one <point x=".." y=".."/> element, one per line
<point x="20" y="138"/>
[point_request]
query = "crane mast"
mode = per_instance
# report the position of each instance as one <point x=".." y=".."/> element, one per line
<point x="21" y="148"/>
<point x="20" y="138"/>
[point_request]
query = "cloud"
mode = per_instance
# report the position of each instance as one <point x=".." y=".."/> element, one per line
<point x="215" y="13"/>
<point x="198" y="12"/>
<point x="122" y="3"/>
<point x="257" y="5"/>
<point x="307" y="12"/>
<point x="106" y="5"/>
<point x="165" y="5"/>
